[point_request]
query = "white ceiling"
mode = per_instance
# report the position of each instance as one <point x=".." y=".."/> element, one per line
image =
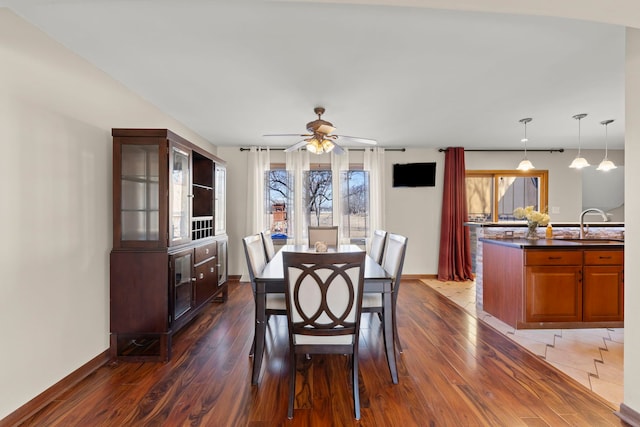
<point x="407" y="76"/>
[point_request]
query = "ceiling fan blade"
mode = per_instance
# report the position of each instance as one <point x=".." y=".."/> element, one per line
<point x="298" y="135"/>
<point x="337" y="149"/>
<point x="295" y="146"/>
<point x="358" y="139"/>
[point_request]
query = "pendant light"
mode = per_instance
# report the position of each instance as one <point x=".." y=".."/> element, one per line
<point x="606" y="164"/>
<point x="579" y="162"/>
<point x="525" y="164"/>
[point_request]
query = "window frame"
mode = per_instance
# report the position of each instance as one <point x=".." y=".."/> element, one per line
<point x="322" y="166"/>
<point x="543" y="191"/>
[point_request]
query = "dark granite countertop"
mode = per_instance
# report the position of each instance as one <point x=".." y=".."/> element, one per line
<point x="554" y="224"/>
<point x="555" y="243"/>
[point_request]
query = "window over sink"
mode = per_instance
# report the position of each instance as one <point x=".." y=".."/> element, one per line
<point x="492" y="195"/>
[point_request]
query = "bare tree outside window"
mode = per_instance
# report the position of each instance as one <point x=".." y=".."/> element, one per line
<point x="318" y="201"/>
<point x="319" y="197"/>
<point x="355" y="202"/>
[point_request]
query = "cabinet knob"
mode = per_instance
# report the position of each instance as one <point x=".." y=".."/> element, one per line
<point x="193" y="279"/>
<point x="201" y="276"/>
<point x="206" y="251"/>
<point x="212" y="269"/>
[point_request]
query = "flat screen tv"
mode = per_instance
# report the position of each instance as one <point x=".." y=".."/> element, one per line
<point x="414" y="174"/>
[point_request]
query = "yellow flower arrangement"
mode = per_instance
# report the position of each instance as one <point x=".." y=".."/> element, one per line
<point x="534" y="219"/>
<point x="539" y="218"/>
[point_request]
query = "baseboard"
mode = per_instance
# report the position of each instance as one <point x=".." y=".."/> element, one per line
<point x="419" y="276"/>
<point x="43" y="399"/>
<point x="234" y="278"/>
<point x="628" y="415"/>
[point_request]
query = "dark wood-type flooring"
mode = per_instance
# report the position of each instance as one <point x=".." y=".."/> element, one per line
<point x="455" y="371"/>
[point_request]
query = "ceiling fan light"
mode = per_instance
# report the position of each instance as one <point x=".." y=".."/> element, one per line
<point x="327" y="145"/>
<point x="606" y="165"/>
<point x="525" y="165"/>
<point x="579" y="163"/>
<point x="313" y="146"/>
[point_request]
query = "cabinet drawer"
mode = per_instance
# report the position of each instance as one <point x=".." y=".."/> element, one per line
<point x="205" y="252"/>
<point x="603" y="257"/>
<point x="553" y="258"/>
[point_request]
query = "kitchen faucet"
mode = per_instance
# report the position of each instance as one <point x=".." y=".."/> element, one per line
<point x="583" y="233"/>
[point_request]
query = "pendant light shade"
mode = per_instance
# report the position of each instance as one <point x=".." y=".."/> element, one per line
<point x="579" y="162"/>
<point x="606" y="164"/>
<point x="525" y="164"/>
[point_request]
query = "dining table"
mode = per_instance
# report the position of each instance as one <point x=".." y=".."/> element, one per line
<point x="271" y="280"/>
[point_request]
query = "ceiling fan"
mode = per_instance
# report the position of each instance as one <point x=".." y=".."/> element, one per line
<point x="320" y="138"/>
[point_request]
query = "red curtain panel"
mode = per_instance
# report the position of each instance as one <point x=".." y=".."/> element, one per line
<point x="455" y="248"/>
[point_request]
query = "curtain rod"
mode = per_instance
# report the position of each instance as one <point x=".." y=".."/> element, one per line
<point x="550" y="150"/>
<point x="350" y="149"/>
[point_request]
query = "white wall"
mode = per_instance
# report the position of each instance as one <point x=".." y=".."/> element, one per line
<point x="632" y="226"/>
<point x="56" y="115"/>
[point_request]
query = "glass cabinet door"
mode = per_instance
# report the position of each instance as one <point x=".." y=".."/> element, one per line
<point x="180" y="195"/>
<point x="222" y="262"/>
<point x="220" y="200"/>
<point x="183" y="279"/>
<point x="139" y="203"/>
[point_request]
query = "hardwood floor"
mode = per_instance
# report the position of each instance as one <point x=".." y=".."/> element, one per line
<point x="454" y="371"/>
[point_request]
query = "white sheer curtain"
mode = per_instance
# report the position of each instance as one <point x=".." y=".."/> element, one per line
<point x="297" y="162"/>
<point x="374" y="162"/>
<point x="258" y="162"/>
<point x="339" y="164"/>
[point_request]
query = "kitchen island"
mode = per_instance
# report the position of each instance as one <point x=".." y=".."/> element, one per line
<point x="554" y="283"/>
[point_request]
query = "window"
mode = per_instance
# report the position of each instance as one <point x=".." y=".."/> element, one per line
<point x="354" y="186"/>
<point x="318" y="197"/>
<point x="493" y="195"/>
<point x="318" y="200"/>
<point x="279" y="202"/>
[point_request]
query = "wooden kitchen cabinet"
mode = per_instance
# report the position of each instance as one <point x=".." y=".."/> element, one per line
<point x="603" y="286"/>
<point x="164" y="265"/>
<point x="553" y="284"/>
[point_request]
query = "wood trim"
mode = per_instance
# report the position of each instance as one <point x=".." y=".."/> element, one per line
<point x="494" y="174"/>
<point x="49" y="395"/>
<point x="418" y="276"/>
<point x="628" y="415"/>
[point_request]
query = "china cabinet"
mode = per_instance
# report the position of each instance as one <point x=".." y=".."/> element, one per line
<point x="169" y="243"/>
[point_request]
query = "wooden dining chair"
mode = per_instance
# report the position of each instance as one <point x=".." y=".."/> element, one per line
<point x="329" y="235"/>
<point x="256" y="261"/>
<point x="267" y="241"/>
<point x="392" y="262"/>
<point x="324" y="303"/>
<point x="377" y="245"/>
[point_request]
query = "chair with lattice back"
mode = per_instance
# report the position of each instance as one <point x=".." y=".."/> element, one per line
<point x="324" y="303"/>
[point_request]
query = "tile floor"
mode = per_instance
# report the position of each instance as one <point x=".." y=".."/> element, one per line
<point x="593" y="357"/>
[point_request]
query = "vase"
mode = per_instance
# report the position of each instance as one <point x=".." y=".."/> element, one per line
<point x="532" y="231"/>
